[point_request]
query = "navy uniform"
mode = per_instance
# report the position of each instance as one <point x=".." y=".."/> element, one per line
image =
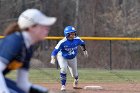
<point x="16" y="50"/>
<point x="16" y="54"/>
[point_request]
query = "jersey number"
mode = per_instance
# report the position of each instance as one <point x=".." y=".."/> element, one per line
<point x="71" y="53"/>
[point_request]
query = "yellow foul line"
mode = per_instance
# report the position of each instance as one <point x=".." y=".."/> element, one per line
<point x="99" y="38"/>
<point x="94" y="38"/>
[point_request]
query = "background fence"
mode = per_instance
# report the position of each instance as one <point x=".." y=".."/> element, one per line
<point x="91" y="18"/>
<point x="113" y="56"/>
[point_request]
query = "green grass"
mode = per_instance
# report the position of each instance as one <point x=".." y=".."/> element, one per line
<point x="90" y="75"/>
<point x="51" y="75"/>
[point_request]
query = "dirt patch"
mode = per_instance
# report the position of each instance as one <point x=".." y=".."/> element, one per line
<point x="107" y="88"/>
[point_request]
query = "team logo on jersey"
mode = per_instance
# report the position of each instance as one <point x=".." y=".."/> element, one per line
<point x="65" y="46"/>
<point x="70" y="49"/>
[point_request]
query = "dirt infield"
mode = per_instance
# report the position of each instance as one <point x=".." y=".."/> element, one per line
<point x="107" y="88"/>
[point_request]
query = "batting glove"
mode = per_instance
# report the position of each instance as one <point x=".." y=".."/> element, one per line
<point x="85" y="53"/>
<point x="38" y="89"/>
<point x="52" y="60"/>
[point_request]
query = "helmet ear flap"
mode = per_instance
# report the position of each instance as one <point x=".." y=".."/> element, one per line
<point x="67" y="35"/>
<point x="76" y="34"/>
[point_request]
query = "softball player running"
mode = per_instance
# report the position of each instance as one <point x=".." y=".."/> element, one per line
<point x="66" y="51"/>
<point x="16" y="50"/>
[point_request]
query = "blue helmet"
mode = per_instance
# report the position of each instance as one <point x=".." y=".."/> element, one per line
<point x="69" y="29"/>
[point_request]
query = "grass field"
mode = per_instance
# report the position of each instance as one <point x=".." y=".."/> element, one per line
<point x="51" y="75"/>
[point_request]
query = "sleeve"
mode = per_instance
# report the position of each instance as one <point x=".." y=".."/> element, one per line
<point x="10" y="47"/>
<point x="82" y="44"/>
<point x="3" y="87"/>
<point x="23" y="80"/>
<point x="58" y="47"/>
<point x="54" y="52"/>
<point x="26" y="85"/>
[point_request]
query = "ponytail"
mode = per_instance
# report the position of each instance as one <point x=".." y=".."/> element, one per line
<point x="13" y="27"/>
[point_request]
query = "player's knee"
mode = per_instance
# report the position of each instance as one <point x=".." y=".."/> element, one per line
<point x="64" y="70"/>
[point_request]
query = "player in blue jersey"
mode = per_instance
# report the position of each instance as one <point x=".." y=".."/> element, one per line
<point x="16" y="50"/>
<point x="66" y="51"/>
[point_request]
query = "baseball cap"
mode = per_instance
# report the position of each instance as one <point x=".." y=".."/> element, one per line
<point x="32" y="17"/>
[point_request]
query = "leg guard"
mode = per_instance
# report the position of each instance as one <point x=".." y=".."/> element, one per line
<point x="63" y="78"/>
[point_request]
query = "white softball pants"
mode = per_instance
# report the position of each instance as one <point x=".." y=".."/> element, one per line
<point x="67" y="63"/>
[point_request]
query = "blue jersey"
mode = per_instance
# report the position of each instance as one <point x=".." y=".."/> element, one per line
<point x="14" y="53"/>
<point x="68" y="48"/>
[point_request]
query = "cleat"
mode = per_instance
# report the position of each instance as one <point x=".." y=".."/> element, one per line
<point x="75" y="84"/>
<point x="63" y="88"/>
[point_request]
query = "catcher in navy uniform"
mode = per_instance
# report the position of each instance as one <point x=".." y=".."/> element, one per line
<point x="16" y="50"/>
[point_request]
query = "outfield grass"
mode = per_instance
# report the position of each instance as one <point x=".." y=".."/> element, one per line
<point x="51" y="75"/>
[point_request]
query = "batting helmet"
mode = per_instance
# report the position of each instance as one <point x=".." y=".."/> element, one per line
<point x="69" y="29"/>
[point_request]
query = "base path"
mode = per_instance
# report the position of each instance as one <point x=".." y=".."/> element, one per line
<point x="107" y="88"/>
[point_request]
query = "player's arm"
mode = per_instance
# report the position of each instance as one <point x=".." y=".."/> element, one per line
<point x="8" y="50"/>
<point x="25" y="85"/>
<point x="55" y="51"/>
<point x="23" y="73"/>
<point x="84" y="50"/>
<point x="83" y="47"/>
<point x="22" y="79"/>
<point x="3" y="87"/>
<point x="53" y="54"/>
<point x="82" y="44"/>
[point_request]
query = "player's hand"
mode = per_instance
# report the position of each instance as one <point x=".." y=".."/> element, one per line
<point x="38" y="89"/>
<point x="85" y="53"/>
<point x="52" y="60"/>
